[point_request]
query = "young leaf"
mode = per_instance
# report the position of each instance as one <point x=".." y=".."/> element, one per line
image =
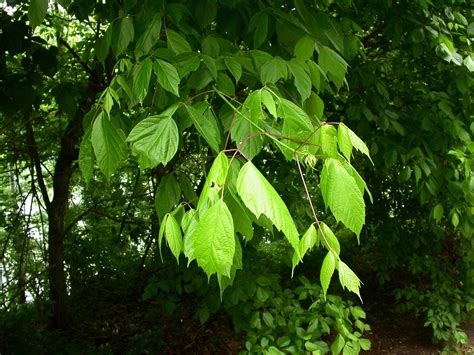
<point x="273" y="70"/>
<point x="213" y="240"/>
<point x="177" y="43"/>
<point x="344" y="141"/>
<point x="327" y="270"/>
<point x="342" y="195"/>
<point x="328" y="141"/>
<point x="167" y="76"/>
<point x="207" y="126"/>
<point x="141" y="79"/>
<point x="269" y="102"/>
<point x="261" y="199"/>
<point x="215" y="178"/>
<point x="37" y="12"/>
<point x="348" y="278"/>
<point x="86" y="156"/>
<point x="154" y="140"/>
<point x="109" y="145"/>
<point x="301" y="76"/>
<point x="149" y="37"/>
<point x="167" y="195"/>
<point x="173" y="236"/>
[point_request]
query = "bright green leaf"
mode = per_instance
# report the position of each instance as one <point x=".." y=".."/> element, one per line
<point x="327" y="270"/>
<point x="273" y="70"/>
<point x="261" y="199"/>
<point x="173" y="236"/>
<point x="344" y="141"/>
<point x="154" y="141"/>
<point x="109" y="145"/>
<point x="348" y="278"/>
<point x="213" y="240"/>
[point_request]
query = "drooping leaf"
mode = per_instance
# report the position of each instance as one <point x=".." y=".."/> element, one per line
<point x="173" y="236"/>
<point x="261" y="199"/>
<point x="333" y="64"/>
<point x="246" y="136"/>
<point x="123" y="34"/>
<point x="210" y="64"/>
<point x="348" y="278"/>
<point x="102" y="46"/>
<point x="141" y="79"/>
<point x="225" y="281"/>
<point x="344" y="141"/>
<point x="314" y="106"/>
<point x="154" y="141"/>
<point x="301" y="77"/>
<point x="327" y="270"/>
<point x="109" y="145"/>
<point x="359" y="144"/>
<point x="161" y="233"/>
<point x="269" y="102"/>
<point x="225" y="84"/>
<point x="86" y="156"/>
<point x="308" y="241"/>
<point x="167" y="195"/>
<point x="215" y="178"/>
<point x="207" y="126"/>
<point x="342" y="195"/>
<point x="213" y="240"/>
<point x="328" y="238"/>
<point x="149" y="37"/>
<point x="177" y="43"/>
<point x="167" y="76"/>
<point x="260" y="22"/>
<point x="37" y="12"/>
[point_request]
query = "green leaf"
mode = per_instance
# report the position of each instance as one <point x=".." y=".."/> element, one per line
<point x="123" y="83"/>
<point x="141" y="79"/>
<point x="246" y="136"/>
<point x="438" y="212"/>
<point x="314" y="106"/>
<point x="338" y="344"/>
<point x="269" y="102"/>
<point x="273" y="70"/>
<point x="359" y="144"/>
<point x="344" y="141"/>
<point x="242" y="221"/>
<point x="187" y="63"/>
<point x="109" y="145"/>
<point x="225" y="281"/>
<point x="210" y="64"/>
<point x="37" y="12"/>
<point x="225" y="84"/>
<point x="177" y="43"/>
<point x="342" y="195"/>
<point x="210" y="46"/>
<point x="304" y="48"/>
<point x="154" y="141"/>
<point x="234" y="67"/>
<point x="327" y="270"/>
<point x="296" y="125"/>
<point x="301" y="76"/>
<point x="207" y="126"/>
<point x="173" y="236"/>
<point x="161" y="233"/>
<point x="102" y="46"/>
<point x="149" y="37"/>
<point x="86" y="156"/>
<point x="213" y="240"/>
<point x="122" y="36"/>
<point x="167" y="195"/>
<point x="328" y="238"/>
<point x="215" y="179"/>
<point x="307" y="242"/>
<point x="333" y="64"/>
<point x="348" y="278"/>
<point x="260" y="22"/>
<point x="167" y="76"/>
<point x="261" y="199"/>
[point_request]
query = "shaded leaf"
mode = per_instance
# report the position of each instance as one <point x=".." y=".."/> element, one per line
<point x="167" y="76"/>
